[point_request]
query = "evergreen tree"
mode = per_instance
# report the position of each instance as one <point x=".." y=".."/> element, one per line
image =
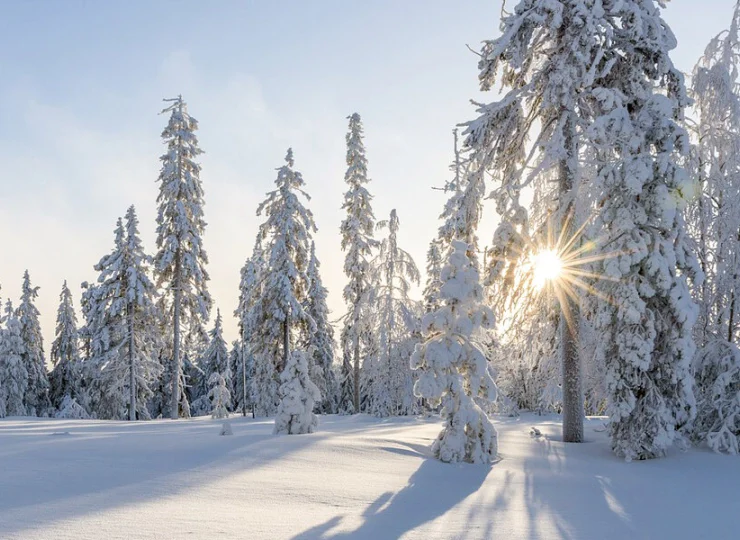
<point x="646" y="327"/>
<point x="216" y="357"/>
<point x="123" y="323"/>
<point x="433" y="283"/>
<point x="392" y="274"/>
<point x="37" y="393"/>
<point x="320" y="344"/>
<point x="250" y="292"/>
<point x="66" y="377"/>
<point x="279" y="312"/>
<point x="13" y="373"/>
<point x="180" y="260"/>
<point x="357" y="241"/>
<point x="298" y="396"/>
<point x="454" y="369"/>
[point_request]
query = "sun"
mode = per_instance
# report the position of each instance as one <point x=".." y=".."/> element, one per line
<point x="547" y="265"/>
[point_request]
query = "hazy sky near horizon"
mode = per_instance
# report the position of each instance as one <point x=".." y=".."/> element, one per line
<point x="81" y="89"/>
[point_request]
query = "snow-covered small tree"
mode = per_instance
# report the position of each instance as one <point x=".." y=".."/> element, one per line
<point x="37" y="394"/>
<point x="453" y="366"/>
<point x="219" y="395"/>
<point x="434" y="269"/>
<point x="66" y="377"/>
<point x="357" y="241"/>
<point x="298" y="396"/>
<point x="216" y="357"/>
<point x="181" y="261"/>
<point x="13" y="372"/>
<point x="395" y="316"/>
<point x="320" y="344"/>
<point x="286" y="236"/>
<point x="69" y="409"/>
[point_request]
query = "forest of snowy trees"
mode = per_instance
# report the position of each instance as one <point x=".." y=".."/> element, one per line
<point x="596" y="153"/>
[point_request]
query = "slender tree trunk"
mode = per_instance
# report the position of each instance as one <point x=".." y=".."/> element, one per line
<point x="570" y="321"/>
<point x="356" y="359"/>
<point x="175" y="404"/>
<point x="244" y="379"/>
<point x="131" y="362"/>
<point x="286" y="341"/>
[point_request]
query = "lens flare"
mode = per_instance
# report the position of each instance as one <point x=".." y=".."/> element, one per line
<point x="546" y="266"/>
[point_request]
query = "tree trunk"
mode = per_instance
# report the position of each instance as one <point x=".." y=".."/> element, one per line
<point x="356" y="359"/>
<point x="131" y="367"/>
<point x="286" y="341"/>
<point x="175" y="410"/>
<point x="244" y="379"/>
<point x="571" y="316"/>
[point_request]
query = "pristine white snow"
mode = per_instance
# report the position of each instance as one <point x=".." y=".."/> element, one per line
<point x="357" y="476"/>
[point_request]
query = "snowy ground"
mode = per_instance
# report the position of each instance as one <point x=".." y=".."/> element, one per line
<point x="358" y="477"/>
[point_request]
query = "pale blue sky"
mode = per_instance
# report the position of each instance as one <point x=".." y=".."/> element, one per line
<point x="81" y="83"/>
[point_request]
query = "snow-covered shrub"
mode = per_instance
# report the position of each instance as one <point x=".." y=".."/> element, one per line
<point x="71" y="410"/>
<point x="717" y="375"/>
<point x="219" y="395"/>
<point x="298" y="395"/>
<point x="454" y="370"/>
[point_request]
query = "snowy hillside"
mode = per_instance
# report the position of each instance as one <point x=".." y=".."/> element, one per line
<point x="356" y="477"/>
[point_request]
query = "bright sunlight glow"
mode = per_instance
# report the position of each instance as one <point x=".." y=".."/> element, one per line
<point x="547" y="266"/>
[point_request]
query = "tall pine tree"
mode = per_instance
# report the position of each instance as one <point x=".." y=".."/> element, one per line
<point x="181" y="259"/>
<point x="66" y="377"/>
<point x="37" y="394"/>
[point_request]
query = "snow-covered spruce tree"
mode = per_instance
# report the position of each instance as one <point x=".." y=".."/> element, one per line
<point x="66" y="377"/>
<point x="392" y="274"/>
<point x="434" y="269"/>
<point x="216" y="357"/>
<point x="552" y="57"/>
<point x="241" y="366"/>
<point x="286" y="235"/>
<point x="454" y="369"/>
<point x="13" y="372"/>
<point x="181" y="259"/>
<point x="357" y="241"/>
<point x="714" y="220"/>
<point x="320" y="344"/>
<point x="250" y="292"/>
<point x="124" y="323"/>
<point x="646" y="326"/>
<point x="219" y="395"/>
<point x="37" y="394"/>
<point x="298" y="396"/>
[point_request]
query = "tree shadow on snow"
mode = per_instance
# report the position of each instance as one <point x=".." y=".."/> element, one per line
<point x="431" y="491"/>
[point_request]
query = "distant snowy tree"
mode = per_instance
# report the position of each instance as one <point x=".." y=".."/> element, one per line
<point x="181" y="259"/>
<point x="37" y="394"/>
<point x="279" y="312"/>
<point x="13" y="372"/>
<point x="298" y="396"/>
<point x="320" y="344"/>
<point x="646" y="327"/>
<point x="357" y="241"/>
<point x="392" y="274"/>
<point x="714" y="220"/>
<point x="433" y="283"/>
<point x="241" y="365"/>
<point x="66" y="377"/>
<point x="216" y="357"/>
<point x="219" y="395"/>
<point x="453" y="366"/>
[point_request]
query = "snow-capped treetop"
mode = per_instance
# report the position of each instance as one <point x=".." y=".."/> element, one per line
<point x="65" y="346"/>
<point x="180" y="222"/>
<point x="286" y="233"/>
<point x="358" y="227"/>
